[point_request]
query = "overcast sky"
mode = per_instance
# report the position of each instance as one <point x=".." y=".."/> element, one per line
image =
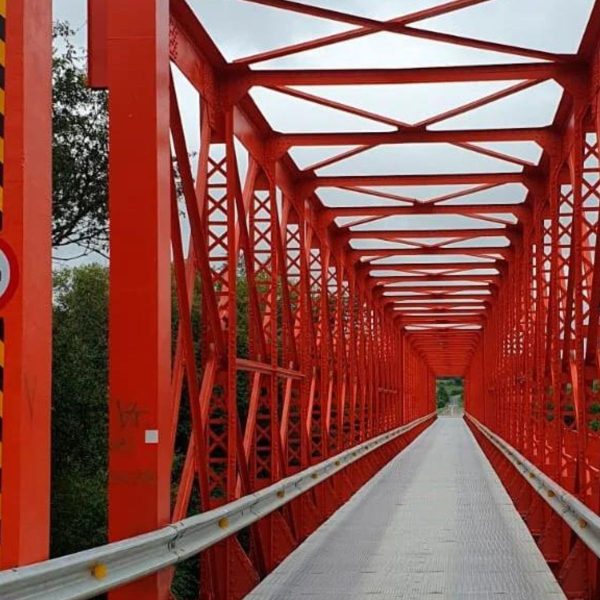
<point x="242" y="28"/>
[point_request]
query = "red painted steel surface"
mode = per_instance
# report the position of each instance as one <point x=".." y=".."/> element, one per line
<point x="348" y="317"/>
<point x="139" y="312"/>
<point x="26" y="317"/>
<point x="340" y="351"/>
<point x="322" y="370"/>
<point x="345" y="339"/>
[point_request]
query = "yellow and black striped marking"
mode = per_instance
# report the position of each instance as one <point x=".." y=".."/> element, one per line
<point x="3" y="4"/>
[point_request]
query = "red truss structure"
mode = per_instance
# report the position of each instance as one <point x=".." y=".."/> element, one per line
<point x="380" y="201"/>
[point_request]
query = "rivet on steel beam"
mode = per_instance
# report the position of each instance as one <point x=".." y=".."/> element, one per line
<point x="582" y="523"/>
<point x="315" y="475"/>
<point x="281" y="493"/>
<point x="223" y="523"/>
<point x="551" y="494"/>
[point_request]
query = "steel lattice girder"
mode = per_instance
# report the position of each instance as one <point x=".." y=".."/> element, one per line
<point x="342" y="343"/>
<point x="323" y="374"/>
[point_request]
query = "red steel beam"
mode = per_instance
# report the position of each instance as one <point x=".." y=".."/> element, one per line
<point x="446" y="8"/>
<point x="140" y="278"/>
<point x="387" y="252"/>
<point x="241" y="80"/>
<point x="26" y="312"/>
<point x="343" y="337"/>
<point x="410" y="180"/>
<point x="329" y="214"/>
<point x="282" y="142"/>
<point x="400" y="234"/>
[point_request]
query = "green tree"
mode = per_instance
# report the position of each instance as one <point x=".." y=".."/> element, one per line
<point x="79" y="420"/>
<point x="80" y="364"/>
<point x="442" y="396"/>
<point x="80" y="411"/>
<point x="79" y="151"/>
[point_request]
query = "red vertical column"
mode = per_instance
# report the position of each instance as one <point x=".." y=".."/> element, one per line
<point x="140" y="328"/>
<point x="26" y="268"/>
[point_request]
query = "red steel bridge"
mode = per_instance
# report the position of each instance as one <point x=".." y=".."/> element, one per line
<point x="407" y="190"/>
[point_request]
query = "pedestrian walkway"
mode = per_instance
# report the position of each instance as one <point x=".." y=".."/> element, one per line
<point x="435" y="523"/>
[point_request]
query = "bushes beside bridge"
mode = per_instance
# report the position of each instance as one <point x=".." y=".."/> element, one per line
<point x="80" y="412"/>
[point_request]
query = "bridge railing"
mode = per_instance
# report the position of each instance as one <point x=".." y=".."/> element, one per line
<point x="92" y="572"/>
<point x="584" y="522"/>
<point x="531" y="490"/>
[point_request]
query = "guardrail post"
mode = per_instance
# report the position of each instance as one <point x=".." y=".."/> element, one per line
<point x="25" y="279"/>
<point x="140" y="278"/>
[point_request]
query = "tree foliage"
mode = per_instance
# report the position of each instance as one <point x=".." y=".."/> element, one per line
<point x="80" y="326"/>
<point x="442" y="397"/>
<point x="448" y="387"/>
<point x="80" y="151"/>
<point x="80" y="411"/>
<point x="79" y="420"/>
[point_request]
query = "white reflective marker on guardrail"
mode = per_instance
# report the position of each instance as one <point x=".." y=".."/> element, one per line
<point x="92" y="572"/>
<point x="582" y="520"/>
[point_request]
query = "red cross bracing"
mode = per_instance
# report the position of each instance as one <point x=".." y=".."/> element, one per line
<point x="337" y="202"/>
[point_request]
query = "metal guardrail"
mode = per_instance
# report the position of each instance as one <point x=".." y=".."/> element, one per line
<point x="92" y="572"/>
<point x="584" y="522"/>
